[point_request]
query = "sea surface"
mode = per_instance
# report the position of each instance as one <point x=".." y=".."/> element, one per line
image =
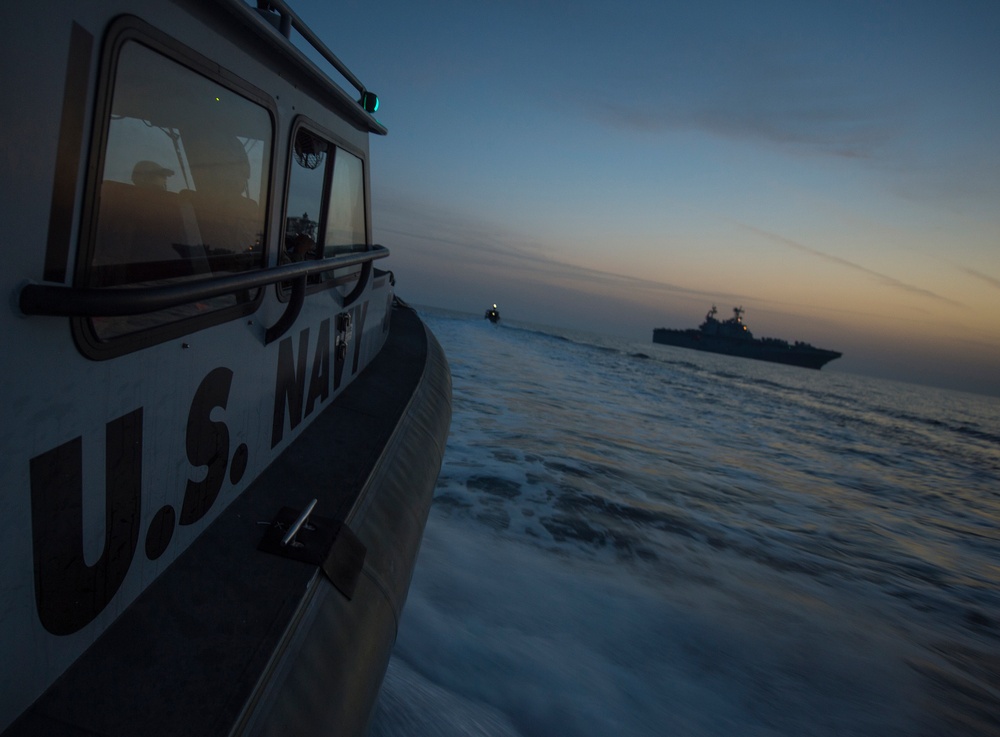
<point x="632" y="539"/>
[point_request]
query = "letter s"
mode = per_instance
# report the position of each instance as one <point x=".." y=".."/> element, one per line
<point x="207" y="444"/>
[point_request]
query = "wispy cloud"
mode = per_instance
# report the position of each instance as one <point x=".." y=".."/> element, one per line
<point x="460" y="240"/>
<point x="885" y="279"/>
<point x="830" y="131"/>
<point x="478" y="250"/>
<point x="992" y="281"/>
<point x="779" y="95"/>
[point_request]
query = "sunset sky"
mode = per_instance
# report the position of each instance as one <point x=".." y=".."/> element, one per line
<point x="834" y="168"/>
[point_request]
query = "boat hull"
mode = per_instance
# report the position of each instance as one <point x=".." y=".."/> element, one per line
<point x="279" y="648"/>
<point x="792" y="355"/>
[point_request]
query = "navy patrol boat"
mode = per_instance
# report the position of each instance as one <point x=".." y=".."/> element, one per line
<point x="222" y="429"/>
<point x="733" y="338"/>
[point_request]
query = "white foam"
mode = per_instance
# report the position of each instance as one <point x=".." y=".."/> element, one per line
<point x="513" y="637"/>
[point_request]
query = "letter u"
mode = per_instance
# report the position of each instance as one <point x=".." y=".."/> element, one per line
<point x="69" y="593"/>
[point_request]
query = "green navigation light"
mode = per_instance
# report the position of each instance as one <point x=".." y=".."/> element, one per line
<point x="369" y="101"/>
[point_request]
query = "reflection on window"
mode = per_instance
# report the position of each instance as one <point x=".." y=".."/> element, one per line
<point x="326" y="202"/>
<point x="185" y="173"/>
<point x="345" y="220"/>
<point x="305" y="195"/>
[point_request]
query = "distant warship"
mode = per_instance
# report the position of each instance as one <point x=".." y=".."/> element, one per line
<point x="733" y="338"/>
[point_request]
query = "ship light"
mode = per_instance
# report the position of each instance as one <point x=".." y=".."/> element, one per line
<point x="369" y="101"/>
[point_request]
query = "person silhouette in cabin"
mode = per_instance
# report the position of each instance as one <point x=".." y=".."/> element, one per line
<point x="150" y="175"/>
<point x="228" y="220"/>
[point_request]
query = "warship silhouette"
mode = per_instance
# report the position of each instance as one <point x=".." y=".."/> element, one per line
<point x="732" y="338"/>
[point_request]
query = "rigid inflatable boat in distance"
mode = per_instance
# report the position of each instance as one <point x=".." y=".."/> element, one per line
<point x="732" y="337"/>
<point x="221" y="429"/>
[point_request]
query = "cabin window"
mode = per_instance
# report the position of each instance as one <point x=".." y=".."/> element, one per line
<point x="183" y="187"/>
<point x="345" y="219"/>
<point x="325" y="215"/>
<point x="306" y="182"/>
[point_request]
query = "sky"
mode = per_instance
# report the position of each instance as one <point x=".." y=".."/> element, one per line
<point x="831" y="167"/>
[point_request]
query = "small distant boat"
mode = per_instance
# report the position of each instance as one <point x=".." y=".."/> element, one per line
<point x="493" y="314"/>
<point x="732" y="337"/>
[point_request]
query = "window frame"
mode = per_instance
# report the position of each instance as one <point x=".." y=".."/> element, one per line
<point x="321" y="131"/>
<point x="121" y="31"/>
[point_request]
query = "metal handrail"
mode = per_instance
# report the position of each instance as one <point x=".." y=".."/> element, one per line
<point x="274" y="28"/>
<point x="48" y="299"/>
<point x="307" y="33"/>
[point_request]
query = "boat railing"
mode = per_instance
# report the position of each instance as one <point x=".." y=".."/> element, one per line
<point x="289" y="20"/>
<point x="61" y="301"/>
<point x="277" y="15"/>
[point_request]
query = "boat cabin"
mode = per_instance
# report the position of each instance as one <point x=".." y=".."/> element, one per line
<point x="192" y="284"/>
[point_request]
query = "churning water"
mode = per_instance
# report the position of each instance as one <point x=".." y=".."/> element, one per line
<point x="632" y="539"/>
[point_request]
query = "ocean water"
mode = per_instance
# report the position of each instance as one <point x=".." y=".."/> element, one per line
<point x="631" y="539"/>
